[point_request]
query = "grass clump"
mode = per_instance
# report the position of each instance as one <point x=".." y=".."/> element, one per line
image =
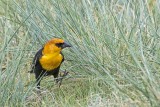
<point x="114" y="60"/>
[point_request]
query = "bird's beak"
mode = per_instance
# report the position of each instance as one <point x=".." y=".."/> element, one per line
<point x="65" y="44"/>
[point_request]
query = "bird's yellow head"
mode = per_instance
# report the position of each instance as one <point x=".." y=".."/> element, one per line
<point x="55" y="46"/>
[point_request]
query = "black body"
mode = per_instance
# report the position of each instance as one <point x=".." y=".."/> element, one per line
<point x="39" y="71"/>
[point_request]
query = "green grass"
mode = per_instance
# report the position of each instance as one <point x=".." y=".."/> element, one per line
<point x="114" y="61"/>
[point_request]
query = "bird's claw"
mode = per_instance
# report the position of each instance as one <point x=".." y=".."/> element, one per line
<point x="59" y="80"/>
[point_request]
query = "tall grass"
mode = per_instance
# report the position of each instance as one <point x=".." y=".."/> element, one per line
<point x="114" y="61"/>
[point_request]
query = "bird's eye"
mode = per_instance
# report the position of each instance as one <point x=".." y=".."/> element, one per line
<point x="59" y="44"/>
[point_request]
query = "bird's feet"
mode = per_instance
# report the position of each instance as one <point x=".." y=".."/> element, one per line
<point x="62" y="75"/>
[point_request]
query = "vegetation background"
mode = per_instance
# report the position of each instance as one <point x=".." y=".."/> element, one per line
<point x="114" y="61"/>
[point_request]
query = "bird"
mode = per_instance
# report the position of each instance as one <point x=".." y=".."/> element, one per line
<point x="48" y="59"/>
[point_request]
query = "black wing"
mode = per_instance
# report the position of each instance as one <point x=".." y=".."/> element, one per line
<point x="36" y="60"/>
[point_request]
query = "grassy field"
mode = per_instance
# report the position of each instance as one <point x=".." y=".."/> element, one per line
<point x="114" y="61"/>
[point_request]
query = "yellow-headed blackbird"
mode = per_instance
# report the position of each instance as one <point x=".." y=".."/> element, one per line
<point x="48" y="60"/>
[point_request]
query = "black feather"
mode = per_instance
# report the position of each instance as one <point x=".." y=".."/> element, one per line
<point x="39" y="71"/>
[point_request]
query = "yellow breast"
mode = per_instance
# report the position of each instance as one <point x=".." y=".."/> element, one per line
<point x="51" y="61"/>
